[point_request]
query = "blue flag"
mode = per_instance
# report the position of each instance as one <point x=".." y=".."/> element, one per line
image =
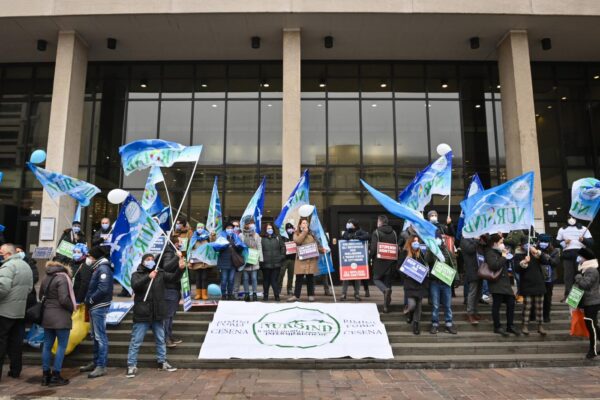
<point x="424" y="229"/>
<point x="164" y="219"/>
<point x="77" y="216"/>
<point x="474" y="188"/>
<point x="503" y="208"/>
<point x="1" y="176"/>
<point x="150" y="199"/>
<point x="214" y="221"/>
<point x="255" y="207"/>
<point x="325" y="260"/>
<point x="141" y="154"/>
<point x="434" y="179"/>
<point x="134" y="233"/>
<point x="298" y="197"/>
<point x="57" y="184"/>
<point x="585" y="198"/>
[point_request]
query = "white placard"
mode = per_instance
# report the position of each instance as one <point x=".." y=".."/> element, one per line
<point x="297" y="330"/>
<point x="47" y="228"/>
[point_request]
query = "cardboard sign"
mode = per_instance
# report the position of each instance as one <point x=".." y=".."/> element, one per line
<point x="307" y="251"/>
<point x="43" y="253"/>
<point x="252" y="257"/>
<point x="290" y="247"/>
<point x="107" y="237"/>
<point x="65" y="249"/>
<point x="186" y="291"/>
<point x="414" y="269"/>
<point x="387" y="251"/>
<point x="354" y="260"/>
<point x="443" y="272"/>
<point x="574" y="297"/>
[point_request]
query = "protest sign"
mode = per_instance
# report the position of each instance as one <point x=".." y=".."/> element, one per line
<point x="354" y="260"/>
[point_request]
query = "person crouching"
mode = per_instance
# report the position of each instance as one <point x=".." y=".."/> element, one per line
<point x="149" y="312"/>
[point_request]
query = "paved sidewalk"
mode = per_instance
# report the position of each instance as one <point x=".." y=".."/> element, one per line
<point x="488" y="384"/>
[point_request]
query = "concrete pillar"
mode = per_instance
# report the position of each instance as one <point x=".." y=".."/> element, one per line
<point x="518" y="114"/>
<point x="66" y="119"/>
<point x="291" y="146"/>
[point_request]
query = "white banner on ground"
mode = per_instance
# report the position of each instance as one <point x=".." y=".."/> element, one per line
<point x="297" y="330"/>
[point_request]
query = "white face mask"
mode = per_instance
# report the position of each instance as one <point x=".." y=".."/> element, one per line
<point x="571" y="221"/>
<point x="433" y="219"/>
<point x="580" y="260"/>
<point x="499" y="247"/>
<point x="105" y="226"/>
<point x="89" y="262"/>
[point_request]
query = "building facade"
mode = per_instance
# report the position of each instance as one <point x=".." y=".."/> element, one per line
<point x="349" y="89"/>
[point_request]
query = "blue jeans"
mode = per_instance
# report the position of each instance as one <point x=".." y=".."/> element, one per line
<point x="227" y="278"/>
<point x="137" y="338"/>
<point x="250" y="275"/>
<point x="98" y="335"/>
<point x="485" y="289"/>
<point x="49" y="336"/>
<point x="172" y="300"/>
<point x="440" y="292"/>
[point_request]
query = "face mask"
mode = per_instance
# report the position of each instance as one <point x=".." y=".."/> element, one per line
<point x="21" y="255"/>
<point x="76" y="229"/>
<point x="270" y="231"/>
<point x="236" y="228"/>
<point x="149" y="264"/>
<point x="579" y="260"/>
<point x="290" y="231"/>
<point x="572" y="221"/>
<point x="89" y="262"/>
<point x="200" y="230"/>
<point x="433" y="219"/>
<point x="77" y="256"/>
<point x="438" y="241"/>
<point x="499" y="247"/>
<point x="229" y="231"/>
<point x="252" y="227"/>
<point x="349" y="226"/>
<point x="178" y="227"/>
<point x="543" y="245"/>
<point x="105" y="226"/>
<point x="415" y="245"/>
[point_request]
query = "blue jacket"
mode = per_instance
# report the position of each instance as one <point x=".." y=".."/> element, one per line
<point x="100" y="291"/>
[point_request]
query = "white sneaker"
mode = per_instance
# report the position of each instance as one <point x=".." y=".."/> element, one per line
<point x="166" y="367"/>
<point x="131" y="372"/>
<point x="485" y="298"/>
<point x="311" y="299"/>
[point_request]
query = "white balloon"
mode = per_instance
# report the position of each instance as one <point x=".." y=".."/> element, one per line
<point x="306" y="210"/>
<point x="117" y="196"/>
<point x="443" y="149"/>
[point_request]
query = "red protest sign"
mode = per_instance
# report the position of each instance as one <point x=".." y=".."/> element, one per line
<point x="387" y="251"/>
<point x="290" y="248"/>
<point x="354" y="262"/>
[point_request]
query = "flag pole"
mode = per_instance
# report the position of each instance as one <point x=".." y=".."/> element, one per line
<point x="169" y="201"/>
<point x="330" y="279"/>
<point x="187" y="189"/>
<point x="587" y="228"/>
<point x="528" y="241"/>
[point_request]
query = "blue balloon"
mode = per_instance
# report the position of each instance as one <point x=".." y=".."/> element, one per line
<point x="214" y="291"/>
<point x="38" y="156"/>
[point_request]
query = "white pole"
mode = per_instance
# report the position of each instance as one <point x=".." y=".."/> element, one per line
<point x="449" y="201"/>
<point x="330" y="279"/>
<point x="169" y="201"/>
<point x="528" y="240"/>
<point x="587" y="228"/>
<point x="187" y="189"/>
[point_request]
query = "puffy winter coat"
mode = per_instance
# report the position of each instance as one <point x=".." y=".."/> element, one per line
<point x="16" y="282"/>
<point x="58" y="305"/>
<point x="155" y="307"/>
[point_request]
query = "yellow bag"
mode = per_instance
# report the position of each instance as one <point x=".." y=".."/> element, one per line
<point x="78" y="332"/>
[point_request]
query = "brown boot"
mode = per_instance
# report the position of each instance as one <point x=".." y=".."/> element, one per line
<point x="473" y="320"/>
<point x="525" y="329"/>
<point x="541" y="330"/>
<point x="204" y="294"/>
<point x="198" y="295"/>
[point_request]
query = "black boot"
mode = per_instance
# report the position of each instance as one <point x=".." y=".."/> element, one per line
<point x="367" y="293"/>
<point x="265" y="297"/>
<point x="57" y="380"/>
<point x="254" y="297"/>
<point x="416" y="328"/>
<point x="46" y="378"/>
<point x="230" y="297"/>
<point x="247" y="297"/>
<point x="223" y="297"/>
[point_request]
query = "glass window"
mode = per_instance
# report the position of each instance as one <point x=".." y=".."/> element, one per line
<point x="242" y="132"/>
<point x="270" y="132"/>
<point x="175" y="121"/>
<point x="142" y="117"/>
<point x="86" y="133"/>
<point x="209" y="130"/>
<point x="344" y="135"/>
<point x="177" y="88"/>
<point x="344" y="198"/>
<point x="378" y="132"/>
<point x="343" y="178"/>
<point x="444" y="127"/>
<point x="475" y="134"/>
<point x="548" y="134"/>
<point x="409" y="81"/>
<point x="441" y="81"/>
<point x="575" y="126"/>
<point x="313" y="132"/>
<point x="381" y="177"/>
<point x="13" y="118"/>
<point x="40" y="122"/>
<point x="411" y="132"/>
<point x="342" y="87"/>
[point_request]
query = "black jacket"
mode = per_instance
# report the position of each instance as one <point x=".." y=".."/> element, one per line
<point x="471" y="250"/>
<point x="58" y="305"/>
<point x="356" y="234"/>
<point x="155" y="307"/>
<point x="82" y="274"/>
<point x="496" y="262"/>
<point x="532" y="282"/>
<point x="431" y="259"/>
<point x="413" y="288"/>
<point x="32" y="297"/>
<point x="97" y="239"/>
<point x="273" y="250"/>
<point x="70" y="237"/>
<point x="170" y="263"/>
<point x="383" y="234"/>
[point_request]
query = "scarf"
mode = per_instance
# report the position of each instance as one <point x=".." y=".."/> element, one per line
<point x="588" y="264"/>
<point x="70" y="286"/>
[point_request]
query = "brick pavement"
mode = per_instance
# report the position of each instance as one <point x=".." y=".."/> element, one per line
<point x="489" y="384"/>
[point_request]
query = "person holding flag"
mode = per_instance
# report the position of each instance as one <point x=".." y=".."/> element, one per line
<point x="226" y="244"/>
<point x="572" y="238"/>
<point x="287" y="267"/>
<point x="253" y="242"/>
<point x="305" y="268"/>
<point x="200" y="237"/>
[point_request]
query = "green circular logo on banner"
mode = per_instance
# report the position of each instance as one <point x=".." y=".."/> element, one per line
<point x="298" y="327"/>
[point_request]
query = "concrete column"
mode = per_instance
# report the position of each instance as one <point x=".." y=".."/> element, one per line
<point x="290" y="144"/>
<point x="66" y="119"/>
<point x="518" y="114"/>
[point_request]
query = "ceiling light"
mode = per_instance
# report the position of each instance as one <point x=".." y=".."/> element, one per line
<point x="596" y="76"/>
<point x="374" y="105"/>
<point x="264" y="83"/>
<point x="444" y="84"/>
<point x="537" y="115"/>
<point x="269" y="105"/>
<point x="322" y="83"/>
<point x="498" y="86"/>
<point x="383" y="84"/>
<point x="549" y="107"/>
<point x="203" y="84"/>
<point x="144" y="83"/>
<point x="564" y="98"/>
<point x="477" y="105"/>
<point x="319" y="105"/>
<point x="214" y="106"/>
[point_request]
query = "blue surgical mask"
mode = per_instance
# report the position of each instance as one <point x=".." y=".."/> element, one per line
<point x="270" y="231"/>
<point x="21" y="255"/>
<point x="76" y="229"/>
<point x="178" y="227"/>
<point x="149" y="264"/>
<point x="252" y="227"/>
<point x="236" y="228"/>
<point x="415" y="245"/>
<point x="105" y="226"/>
<point x="229" y="231"/>
<point x="349" y="226"/>
<point x="77" y="256"/>
<point x="200" y="231"/>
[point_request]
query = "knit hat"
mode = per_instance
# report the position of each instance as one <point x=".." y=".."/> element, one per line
<point x="96" y="252"/>
<point x="431" y="212"/>
<point x="586" y="253"/>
